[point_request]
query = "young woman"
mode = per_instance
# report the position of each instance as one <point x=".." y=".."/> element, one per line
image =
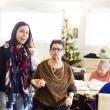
<point x="16" y="74"/>
<point x="54" y="81"/>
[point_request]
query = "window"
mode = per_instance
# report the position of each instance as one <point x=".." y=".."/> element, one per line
<point x="44" y="26"/>
<point x="98" y="28"/>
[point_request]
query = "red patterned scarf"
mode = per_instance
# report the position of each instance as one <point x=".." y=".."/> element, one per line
<point x="18" y="64"/>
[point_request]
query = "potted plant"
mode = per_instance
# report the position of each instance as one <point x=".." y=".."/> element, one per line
<point x="102" y="53"/>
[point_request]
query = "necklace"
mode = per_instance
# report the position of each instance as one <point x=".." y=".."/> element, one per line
<point x="54" y="70"/>
<point x="56" y="76"/>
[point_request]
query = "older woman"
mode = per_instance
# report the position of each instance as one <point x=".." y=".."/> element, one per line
<point x="102" y="73"/>
<point x="54" y="81"/>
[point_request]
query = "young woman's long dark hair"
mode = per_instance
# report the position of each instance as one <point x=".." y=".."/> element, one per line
<point x="29" y="43"/>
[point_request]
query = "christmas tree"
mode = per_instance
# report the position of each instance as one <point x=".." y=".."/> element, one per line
<point x="71" y="55"/>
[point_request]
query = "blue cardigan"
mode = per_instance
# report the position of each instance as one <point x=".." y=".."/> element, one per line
<point x="105" y="88"/>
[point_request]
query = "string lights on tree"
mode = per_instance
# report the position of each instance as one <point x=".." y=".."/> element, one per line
<point x="72" y="52"/>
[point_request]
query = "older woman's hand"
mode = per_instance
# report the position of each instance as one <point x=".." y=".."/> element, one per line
<point x="68" y="101"/>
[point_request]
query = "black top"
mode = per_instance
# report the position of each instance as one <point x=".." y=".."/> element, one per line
<point x="2" y="69"/>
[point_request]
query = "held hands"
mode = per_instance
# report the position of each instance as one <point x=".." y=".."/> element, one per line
<point x="68" y="101"/>
<point x="38" y="83"/>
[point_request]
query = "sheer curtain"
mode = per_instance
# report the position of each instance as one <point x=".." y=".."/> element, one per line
<point x="98" y="28"/>
<point x="44" y="26"/>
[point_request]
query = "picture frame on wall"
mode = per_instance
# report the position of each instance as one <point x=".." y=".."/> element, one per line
<point x="75" y="32"/>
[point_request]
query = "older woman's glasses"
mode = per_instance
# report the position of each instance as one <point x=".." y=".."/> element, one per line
<point x="56" y="49"/>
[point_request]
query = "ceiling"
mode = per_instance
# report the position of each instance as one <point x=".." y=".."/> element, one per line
<point x="49" y="4"/>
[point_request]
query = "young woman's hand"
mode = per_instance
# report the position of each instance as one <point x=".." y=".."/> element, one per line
<point x="38" y="83"/>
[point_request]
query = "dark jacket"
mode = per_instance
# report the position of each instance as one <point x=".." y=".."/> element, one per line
<point x="2" y="69"/>
<point x="3" y="58"/>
